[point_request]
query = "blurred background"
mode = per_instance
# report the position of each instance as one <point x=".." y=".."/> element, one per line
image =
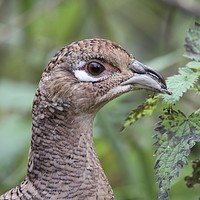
<point x="32" y="31"/>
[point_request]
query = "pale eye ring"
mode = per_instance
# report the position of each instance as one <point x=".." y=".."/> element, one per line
<point x="95" y="68"/>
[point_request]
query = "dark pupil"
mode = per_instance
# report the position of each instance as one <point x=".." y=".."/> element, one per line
<point x="95" y="68"/>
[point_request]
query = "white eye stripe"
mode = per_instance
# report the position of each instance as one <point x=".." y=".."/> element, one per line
<point x="84" y="76"/>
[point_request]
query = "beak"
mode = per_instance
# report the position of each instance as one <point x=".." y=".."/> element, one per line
<point x="145" y="78"/>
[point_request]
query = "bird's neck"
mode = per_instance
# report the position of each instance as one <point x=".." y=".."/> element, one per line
<point x="61" y="139"/>
<point x="62" y="152"/>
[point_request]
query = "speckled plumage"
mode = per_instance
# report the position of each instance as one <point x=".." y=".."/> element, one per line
<point x="62" y="160"/>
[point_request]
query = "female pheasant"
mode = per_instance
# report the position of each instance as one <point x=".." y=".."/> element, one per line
<point x="78" y="81"/>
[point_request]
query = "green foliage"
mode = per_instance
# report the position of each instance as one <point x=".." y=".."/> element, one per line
<point x="194" y="65"/>
<point x="177" y="134"/>
<point x="192" y="43"/>
<point x="179" y="84"/>
<point x="188" y="76"/>
<point x="146" y="108"/>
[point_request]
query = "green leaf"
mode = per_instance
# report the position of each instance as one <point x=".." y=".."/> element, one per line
<point x="192" y="43"/>
<point x="146" y="108"/>
<point x="177" y="134"/>
<point x="179" y="84"/>
<point x="194" y="65"/>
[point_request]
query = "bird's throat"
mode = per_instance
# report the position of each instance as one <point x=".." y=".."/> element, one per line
<point x="62" y="154"/>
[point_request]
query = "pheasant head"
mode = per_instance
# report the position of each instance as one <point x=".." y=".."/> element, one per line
<point x="89" y="73"/>
<point x="78" y="81"/>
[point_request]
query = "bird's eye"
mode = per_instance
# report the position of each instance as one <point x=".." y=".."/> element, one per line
<point x="95" y="68"/>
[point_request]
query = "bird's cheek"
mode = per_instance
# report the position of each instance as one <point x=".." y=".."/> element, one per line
<point x="83" y="97"/>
